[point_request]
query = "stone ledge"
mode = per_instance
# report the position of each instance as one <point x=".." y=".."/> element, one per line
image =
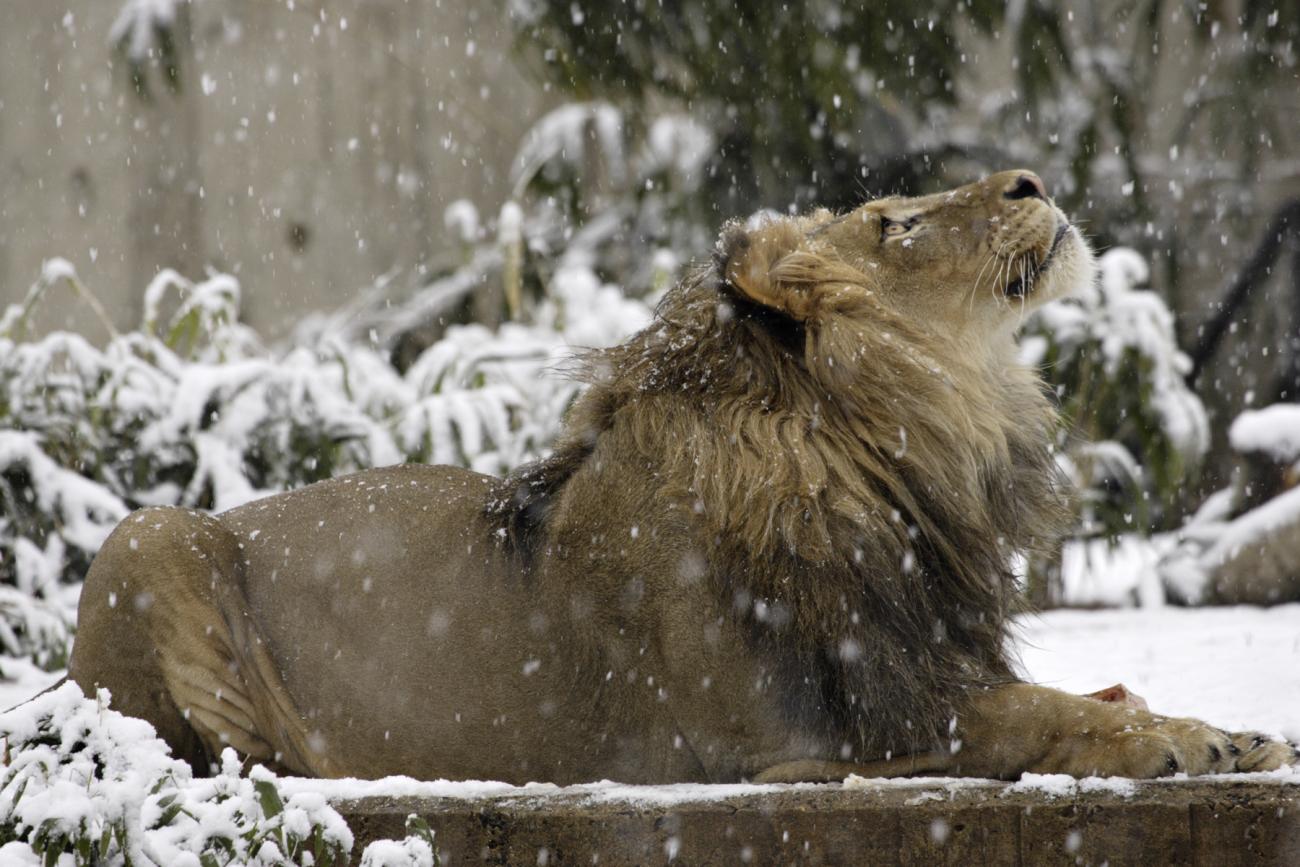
<point x="1236" y="820"/>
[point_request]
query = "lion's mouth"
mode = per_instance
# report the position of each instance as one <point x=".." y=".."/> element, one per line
<point x="1033" y="269"/>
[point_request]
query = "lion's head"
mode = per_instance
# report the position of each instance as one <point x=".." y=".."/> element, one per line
<point x="966" y="263"/>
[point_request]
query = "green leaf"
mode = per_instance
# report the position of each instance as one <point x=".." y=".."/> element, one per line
<point x="84" y="852"/>
<point x="416" y="826"/>
<point x="168" y="816"/>
<point x="269" y="798"/>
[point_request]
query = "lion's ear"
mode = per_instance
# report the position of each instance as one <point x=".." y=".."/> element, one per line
<point x="749" y="257"/>
<point x="763" y="263"/>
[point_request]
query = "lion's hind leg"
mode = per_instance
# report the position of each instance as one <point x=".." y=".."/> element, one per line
<point x="159" y="625"/>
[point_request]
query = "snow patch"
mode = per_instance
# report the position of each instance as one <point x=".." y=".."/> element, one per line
<point x="1254" y="526"/>
<point x="1065" y="786"/>
<point x="1273" y="430"/>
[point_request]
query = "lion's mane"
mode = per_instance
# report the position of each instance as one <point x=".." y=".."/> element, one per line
<point x="862" y="490"/>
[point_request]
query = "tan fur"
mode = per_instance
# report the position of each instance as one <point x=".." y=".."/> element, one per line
<point x="773" y="542"/>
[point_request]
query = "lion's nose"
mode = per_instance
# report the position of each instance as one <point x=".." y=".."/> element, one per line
<point x="1026" y="186"/>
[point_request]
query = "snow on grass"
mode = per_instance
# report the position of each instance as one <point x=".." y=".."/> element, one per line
<point x="1114" y="572"/>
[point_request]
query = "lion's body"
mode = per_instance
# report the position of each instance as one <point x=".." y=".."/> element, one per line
<point x="774" y="541"/>
<point x="476" y="670"/>
<point x="473" y="670"/>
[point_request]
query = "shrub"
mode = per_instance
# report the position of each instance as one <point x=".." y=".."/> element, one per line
<point x="193" y="410"/>
<point x="417" y="850"/>
<point x="84" y="785"/>
<point x="1132" y="437"/>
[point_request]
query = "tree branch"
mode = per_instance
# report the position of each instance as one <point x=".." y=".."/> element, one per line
<point x="1251" y="276"/>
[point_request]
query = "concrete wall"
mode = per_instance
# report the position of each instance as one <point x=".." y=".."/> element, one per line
<point x="311" y="147"/>
<point x="1201" y="820"/>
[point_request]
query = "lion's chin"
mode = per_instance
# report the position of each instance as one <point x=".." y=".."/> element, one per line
<point x="1068" y="267"/>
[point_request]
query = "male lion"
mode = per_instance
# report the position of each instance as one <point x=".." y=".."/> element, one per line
<point x="772" y="544"/>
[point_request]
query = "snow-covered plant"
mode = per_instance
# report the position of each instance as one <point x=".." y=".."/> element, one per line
<point x="1134" y="432"/>
<point x="569" y="142"/>
<point x="1239" y="546"/>
<point x="416" y="850"/>
<point x="84" y="785"/>
<point x="33" y="625"/>
<point x="603" y="201"/>
<point x="1273" y="431"/>
<point x="192" y="409"/>
<point x="145" y="33"/>
<point x="139" y="24"/>
<point x="50" y="517"/>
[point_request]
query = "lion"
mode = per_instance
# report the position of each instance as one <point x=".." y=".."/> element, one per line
<point x="773" y="543"/>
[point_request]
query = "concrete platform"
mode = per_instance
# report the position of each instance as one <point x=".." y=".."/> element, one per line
<point x="1219" y="822"/>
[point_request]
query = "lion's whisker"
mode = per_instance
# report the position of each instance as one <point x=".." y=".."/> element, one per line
<point x="1024" y="288"/>
<point x="1003" y="272"/>
<point x="975" y="287"/>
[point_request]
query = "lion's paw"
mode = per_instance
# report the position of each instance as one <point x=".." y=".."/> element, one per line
<point x="1253" y="751"/>
<point x="1169" y="746"/>
<point x="1146" y="746"/>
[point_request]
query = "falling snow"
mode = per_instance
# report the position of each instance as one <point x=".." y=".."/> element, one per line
<point x="270" y="247"/>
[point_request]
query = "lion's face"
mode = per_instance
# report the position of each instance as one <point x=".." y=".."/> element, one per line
<point x="976" y="258"/>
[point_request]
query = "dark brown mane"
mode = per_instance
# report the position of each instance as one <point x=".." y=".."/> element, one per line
<point x="866" y="493"/>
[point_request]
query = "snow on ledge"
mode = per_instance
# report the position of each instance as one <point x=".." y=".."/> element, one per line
<point x="606" y="791"/>
<point x="1063" y="785"/>
<point x="603" y="792"/>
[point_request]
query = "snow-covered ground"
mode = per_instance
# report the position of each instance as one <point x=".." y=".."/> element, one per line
<point x="1235" y="667"/>
<point x="20" y="680"/>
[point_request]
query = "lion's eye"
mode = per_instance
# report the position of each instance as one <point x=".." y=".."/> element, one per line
<point x="893" y="228"/>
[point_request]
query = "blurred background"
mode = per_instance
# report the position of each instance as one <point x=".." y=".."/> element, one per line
<point x="248" y="244"/>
